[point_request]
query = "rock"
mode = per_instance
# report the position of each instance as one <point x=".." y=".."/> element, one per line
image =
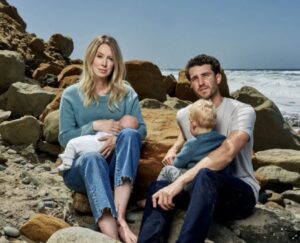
<point x="292" y="195"/>
<point x="153" y="104"/>
<point x="176" y="103"/>
<point x="2" y="167"/>
<point x="46" y="68"/>
<point x="81" y="203"/>
<point x="52" y="149"/>
<point x="62" y="43"/>
<point x="11" y="231"/>
<point x="4" y="115"/>
<point x="27" y="99"/>
<point x="3" y="240"/>
<point x="183" y="91"/>
<point x="71" y="70"/>
<point x="147" y="80"/>
<point x="170" y="85"/>
<point x="277" y="177"/>
<point x="41" y="227"/>
<point x="12" y="69"/>
<point x="54" y="105"/>
<point x="51" y="127"/>
<point x="266" y="226"/>
<point x="79" y="235"/>
<point x="23" y="131"/>
<point x="285" y="158"/>
<point x="29" y="153"/>
<point x="13" y="13"/>
<point x="37" y="45"/>
<point x="271" y="130"/>
<point x="69" y="80"/>
<point x="162" y="133"/>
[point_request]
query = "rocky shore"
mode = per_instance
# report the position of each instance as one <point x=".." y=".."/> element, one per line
<point x="37" y="207"/>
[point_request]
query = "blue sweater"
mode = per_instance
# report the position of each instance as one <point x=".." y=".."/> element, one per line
<point x="197" y="148"/>
<point x="76" y="120"/>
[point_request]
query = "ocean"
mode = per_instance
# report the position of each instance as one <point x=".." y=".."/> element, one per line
<point x="281" y="86"/>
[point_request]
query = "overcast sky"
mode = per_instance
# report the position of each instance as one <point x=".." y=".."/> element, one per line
<point x="240" y="33"/>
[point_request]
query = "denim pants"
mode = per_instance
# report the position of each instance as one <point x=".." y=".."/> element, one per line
<point x="212" y="194"/>
<point x="95" y="176"/>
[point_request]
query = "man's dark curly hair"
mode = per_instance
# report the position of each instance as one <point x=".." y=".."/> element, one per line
<point x="202" y="60"/>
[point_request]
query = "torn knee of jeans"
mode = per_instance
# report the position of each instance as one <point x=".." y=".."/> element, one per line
<point x="125" y="179"/>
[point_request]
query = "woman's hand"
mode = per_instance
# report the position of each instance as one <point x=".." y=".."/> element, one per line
<point x="164" y="197"/>
<point x="109" y="145"/>
<point x="110" y="126"/>
<point x="169" y="158"/>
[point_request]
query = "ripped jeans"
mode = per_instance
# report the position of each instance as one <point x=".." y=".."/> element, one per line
<point x="95" y="176"/>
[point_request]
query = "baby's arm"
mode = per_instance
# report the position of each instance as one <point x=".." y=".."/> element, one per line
<point x="184" y="157"/>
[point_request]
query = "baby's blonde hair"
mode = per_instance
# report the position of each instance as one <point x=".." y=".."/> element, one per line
<point x="203" y="112"/>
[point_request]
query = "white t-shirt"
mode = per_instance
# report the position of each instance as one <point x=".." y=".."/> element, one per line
<point x="232" y="115"/>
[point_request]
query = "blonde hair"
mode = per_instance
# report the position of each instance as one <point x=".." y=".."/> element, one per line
<point x="203" y="112"/>
<point x="87" y="85"/>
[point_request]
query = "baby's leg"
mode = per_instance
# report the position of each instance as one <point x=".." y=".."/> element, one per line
<point x="169" y="173"/>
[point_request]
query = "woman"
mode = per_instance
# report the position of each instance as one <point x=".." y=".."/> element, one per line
<point x="95" y="104"/>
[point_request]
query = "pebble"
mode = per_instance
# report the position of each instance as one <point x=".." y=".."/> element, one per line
<point x="2" y="167"/>
<point x="50" y="204"/>
<point x="11" y="151"/>
<point x="26" y="180"/>
<point x="3" y="240"/>
<point x="18" y="160"/>
<point x="40" y="207"/>
<point x="11" y="231"/>
<point x="30" y="166"/>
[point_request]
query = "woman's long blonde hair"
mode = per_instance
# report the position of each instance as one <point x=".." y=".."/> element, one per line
<point x="87" y="85"/>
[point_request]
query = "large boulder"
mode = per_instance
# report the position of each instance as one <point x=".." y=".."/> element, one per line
<point x="271" y="130"/>
<point x="24" y="131"/>
<point x="12" y="69"/>
<point x="288" y="159"/>
<point x="27" y="99"/>
<point x="62" y="43"/>
<point x="162" y="133"/>
<point x="79" y="235"/>
<point x="278" y="178"/>
<point x="170" y="85"/>
<point x="147" y="80"/>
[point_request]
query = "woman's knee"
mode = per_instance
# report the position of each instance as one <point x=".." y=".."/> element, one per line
<point x="129" y="133"/>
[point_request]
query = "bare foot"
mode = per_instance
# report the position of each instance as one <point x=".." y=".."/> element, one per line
<point x="141" y="203"/>
<point x="126" y="235"/>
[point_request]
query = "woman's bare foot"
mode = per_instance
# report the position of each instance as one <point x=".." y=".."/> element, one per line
<point x="141" y="203"/>
<point x="125" y="233"/>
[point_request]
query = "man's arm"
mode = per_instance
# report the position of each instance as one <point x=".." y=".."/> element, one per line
<point x="216" y="160"/>
<point x="171" y="154"/>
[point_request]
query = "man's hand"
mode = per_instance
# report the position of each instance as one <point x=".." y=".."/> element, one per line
<point x="109" y="145"/>
<point x="164" y="197"/>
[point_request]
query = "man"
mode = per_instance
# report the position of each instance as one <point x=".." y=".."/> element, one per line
<point x="212" y="192"/>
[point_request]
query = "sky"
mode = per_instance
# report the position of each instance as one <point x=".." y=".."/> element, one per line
<point x="244" y="34"/>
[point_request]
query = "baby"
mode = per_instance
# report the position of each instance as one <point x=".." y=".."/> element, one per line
<point x="90" y="143"/>
<point x="202" y="122"/>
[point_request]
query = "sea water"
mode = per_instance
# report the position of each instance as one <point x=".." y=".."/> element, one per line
<point x="281" y="86"/>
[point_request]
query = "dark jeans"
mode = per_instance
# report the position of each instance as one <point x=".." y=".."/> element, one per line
<point x="212" y="194"/>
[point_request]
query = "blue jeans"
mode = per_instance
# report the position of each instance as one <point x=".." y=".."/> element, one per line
<point x="212" y="194"/>
<point x="96" y="176"/>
